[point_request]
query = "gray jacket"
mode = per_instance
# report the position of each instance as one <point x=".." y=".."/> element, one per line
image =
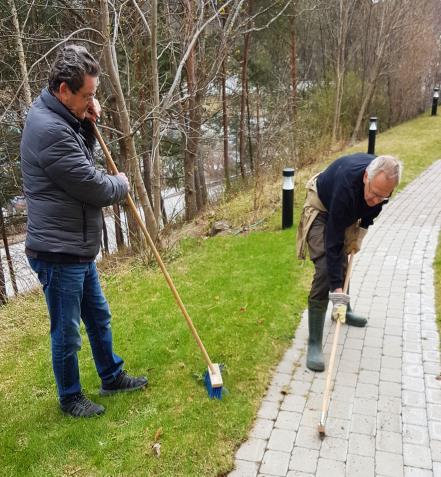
<point x="64" y="191"/>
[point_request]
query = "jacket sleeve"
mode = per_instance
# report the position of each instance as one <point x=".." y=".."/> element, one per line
<point x="67" y="165"/>
<point x="335" y="237"/>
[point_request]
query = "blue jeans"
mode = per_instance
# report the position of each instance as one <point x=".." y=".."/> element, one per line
<point x="73" y="292"/>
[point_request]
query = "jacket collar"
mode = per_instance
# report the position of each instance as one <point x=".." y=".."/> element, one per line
<point x="54" y="104"/>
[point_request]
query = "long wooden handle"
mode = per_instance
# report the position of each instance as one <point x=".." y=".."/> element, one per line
<point x="141" y="224"/>
<point x="325" y="403"/>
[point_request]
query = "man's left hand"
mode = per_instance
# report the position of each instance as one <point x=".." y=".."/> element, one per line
<point x="93" y="111"/>
<point x="340" y="301"/>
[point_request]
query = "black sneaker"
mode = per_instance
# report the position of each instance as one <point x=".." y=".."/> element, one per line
<point x="80" y="406"/>
<point x="123" y="383"/>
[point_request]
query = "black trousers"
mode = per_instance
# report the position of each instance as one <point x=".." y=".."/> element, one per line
<point x="316" y="245"/>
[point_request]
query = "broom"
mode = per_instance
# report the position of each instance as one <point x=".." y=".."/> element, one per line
<point x="213" y="376"/>
<point x="325" y="403"/>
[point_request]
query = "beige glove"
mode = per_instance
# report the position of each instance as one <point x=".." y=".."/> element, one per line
<point x="354" y="236"/>
<point x="340" y="302"/>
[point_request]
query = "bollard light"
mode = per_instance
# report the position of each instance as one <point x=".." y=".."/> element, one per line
<point x="288" y="198"/>
<point x="435" y="101"/>
<point x="372" y="134"/>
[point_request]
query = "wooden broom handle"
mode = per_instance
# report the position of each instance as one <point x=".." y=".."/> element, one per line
<point x="325" y="402"/>
<point x="140" y="222"/>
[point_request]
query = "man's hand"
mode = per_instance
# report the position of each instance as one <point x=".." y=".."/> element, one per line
<point x="124" y="178"/>
<point x="94" y="110"/>
<point x="340" y="301"/>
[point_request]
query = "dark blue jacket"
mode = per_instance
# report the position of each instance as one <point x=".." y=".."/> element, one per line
<point x="64" y="191"/>
<point x="341" y="189"/>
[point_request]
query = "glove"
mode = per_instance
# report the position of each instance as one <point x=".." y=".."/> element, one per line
<point x="354" y="236"/>
<point x="340" y="302"/>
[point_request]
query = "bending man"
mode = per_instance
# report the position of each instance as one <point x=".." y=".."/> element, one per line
<point x="341" y="203"/>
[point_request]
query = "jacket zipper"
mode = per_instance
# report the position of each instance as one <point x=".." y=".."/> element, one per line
<point x="84" y="223"/>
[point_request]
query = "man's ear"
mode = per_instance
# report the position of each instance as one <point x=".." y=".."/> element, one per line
<point x="63" y="89"/>
<point x="365" y="177"/>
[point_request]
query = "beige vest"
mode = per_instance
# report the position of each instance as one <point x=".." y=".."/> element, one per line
<point x="312" y="207"/>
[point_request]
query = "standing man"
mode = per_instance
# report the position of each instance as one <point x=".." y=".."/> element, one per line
<point x="65" y="193"/>
<point x="341" y="203"/>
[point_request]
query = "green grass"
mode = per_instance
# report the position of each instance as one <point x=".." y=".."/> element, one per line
<point x="245" y="294"/>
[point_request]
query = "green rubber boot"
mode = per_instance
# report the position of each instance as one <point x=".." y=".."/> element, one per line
<point x="352" y="319"/>
<point x="316" y="321"/>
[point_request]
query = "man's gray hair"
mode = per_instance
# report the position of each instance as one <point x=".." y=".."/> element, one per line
<point x="72" y="64"/>
<point x="390" y="165"/>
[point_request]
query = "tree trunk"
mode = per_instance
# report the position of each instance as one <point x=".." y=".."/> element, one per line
<point x="21" y="56"/>
<point x="244" y="79"/>
<point x="3" y="295"/>
<point x="156" y="159"/>
<point x="8" y="255"/>
<point x="225" y="127"/>
<point x="250" y="145"/>
<point x="133" y="170"/>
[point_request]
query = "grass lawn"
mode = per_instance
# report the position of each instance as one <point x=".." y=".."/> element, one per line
<point x="245" y="294"/>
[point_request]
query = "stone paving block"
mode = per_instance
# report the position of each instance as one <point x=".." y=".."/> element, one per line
<point x="252" y="450"/>
<point x="275" y="463"/>
<point x="387" y="421"/>
<point x="360" y="466"/>
<point x="304" y="460"/>
<point x="330" y="468"/>
<point x="369" y="352"/>
<point x="389" y="442"/>
<point x="369" y="377"/>
<point x="431" y="381"/>
<point x="367" y="407"/>
<point x="346" y="379"/>
<point x="414" y="415"/>
<point x="391" y="362"/>
<point x="310" y="417"/>
<point x="412" y="358"/>
<point x="371" y="364"/>
<point x="389" y="374"/>
<point x="437" y="469"/>
<point x="366" y="391"/>
<point x="299" y="388"/>
<point x="361" y="444"/>
<point x="413" y="398"/>
<point x="389" y="404"/>
<point x="433" y="396"/>
<point x="293" y="403"/>
<point x="282" y="440"/>
<point x="435" y="448"/>
<point x="431" y="368"/>
<point x="334" y="448"/>
<point x="354" y="343"/>
<point x="418" y="435"/>
<point x="413" y="384"/>
<point x="361" y="424"/>
<point x="262" y="428"/>
<point x="268" y="410"/>
<point x="336" y="427"/>
<point x="243" y="468"/>
<point x="308" y="437"/>
<point x="281" y="379"/>
<point x="340" y="409"/>
<point x="288" y="420"/>
<point x="433" y="356"/>
<point x="417" y="456"/>
<point x="416" y="472"/>
<point x="434" y="412"/>
<point x="387" y="388"/>
<point x="389" y="464"/>
<point x="435" y="430"/>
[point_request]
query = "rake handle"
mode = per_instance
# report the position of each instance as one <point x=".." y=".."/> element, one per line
<point x="325" y="402"/>
<point x="132" y="206"/>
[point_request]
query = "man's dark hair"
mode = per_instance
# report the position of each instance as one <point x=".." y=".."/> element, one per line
<point x="72" y="64"/>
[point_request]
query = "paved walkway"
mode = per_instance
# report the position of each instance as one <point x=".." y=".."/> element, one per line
<point x="385" y="412"/>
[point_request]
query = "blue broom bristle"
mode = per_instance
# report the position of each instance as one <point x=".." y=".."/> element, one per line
<point x="213" y="393"/>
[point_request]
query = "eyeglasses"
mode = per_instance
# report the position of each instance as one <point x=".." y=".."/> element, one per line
<point x="375" y="194"/>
